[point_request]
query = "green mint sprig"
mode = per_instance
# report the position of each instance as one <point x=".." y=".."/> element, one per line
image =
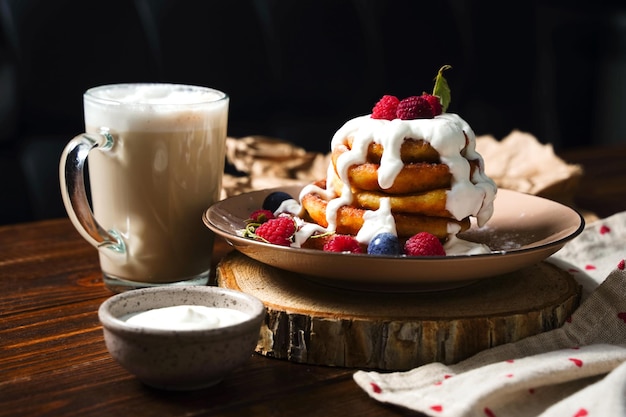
<point x="441" y="88"/>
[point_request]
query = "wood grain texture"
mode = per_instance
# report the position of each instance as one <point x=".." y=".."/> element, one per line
<point x="313" y="323"/>
<point x="53" y="360"/>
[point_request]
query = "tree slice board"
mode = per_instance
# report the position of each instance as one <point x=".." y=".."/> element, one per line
<point x="313" y="323"/>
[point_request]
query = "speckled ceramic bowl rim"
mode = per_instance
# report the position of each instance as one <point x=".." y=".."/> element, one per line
<point x="116" y="324"/>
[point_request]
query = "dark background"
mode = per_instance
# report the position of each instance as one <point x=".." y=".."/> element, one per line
<point x="297" y="69"/>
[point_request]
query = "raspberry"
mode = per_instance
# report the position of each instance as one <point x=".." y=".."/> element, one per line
<point x="385" y="108"/>
<point x="434" y="102"/>
<point x="384" y="244"/>
<point x="414" y="107"/>
<point x="343" y="243"/>
<point x="260" y="216"/>
<point x="278" y="231"/>
<point x="424" y="244"/>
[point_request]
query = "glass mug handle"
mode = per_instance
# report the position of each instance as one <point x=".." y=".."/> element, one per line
<point x="72" y="179"/>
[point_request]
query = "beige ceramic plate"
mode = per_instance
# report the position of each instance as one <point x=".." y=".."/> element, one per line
<point x="524" y="230"/>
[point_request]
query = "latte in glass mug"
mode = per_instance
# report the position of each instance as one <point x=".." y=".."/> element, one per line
<point x="156" y="159"/>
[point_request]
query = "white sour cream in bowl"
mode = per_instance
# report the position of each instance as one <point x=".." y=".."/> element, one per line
<point x="187" y="317"/>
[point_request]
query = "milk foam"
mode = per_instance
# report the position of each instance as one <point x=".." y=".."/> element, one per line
<point x="153" y="107"/>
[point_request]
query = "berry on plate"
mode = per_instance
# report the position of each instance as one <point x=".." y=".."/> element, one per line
<point x="435" y="103"/>
<point x="385" y="108"/>
<point x="384" y="244"/>
<point x="425" y="106"/>
<point x="343" y="243"/>
<point x="414" y="107"/>
<point x="260" y="216"/>
<point x="273" y="200"/>
<point x="278" y="231"/>
<point x="424" y="244"/>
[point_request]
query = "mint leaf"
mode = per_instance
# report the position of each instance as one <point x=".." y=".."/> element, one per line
<point x="441" y="88"/>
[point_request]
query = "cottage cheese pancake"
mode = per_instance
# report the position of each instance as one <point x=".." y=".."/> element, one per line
<point x="409" y="168"/>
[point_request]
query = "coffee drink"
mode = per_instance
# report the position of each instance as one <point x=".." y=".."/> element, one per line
<point x="161" y="169"/>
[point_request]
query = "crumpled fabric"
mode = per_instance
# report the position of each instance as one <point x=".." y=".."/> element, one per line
<point x="266" y="162"/>
<point x="521" y="163"/>
<point x="517" y="162"/>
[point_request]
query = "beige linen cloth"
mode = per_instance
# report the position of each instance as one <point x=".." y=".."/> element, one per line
<point x="575" y="371"/>
<point x="518" y="162"/>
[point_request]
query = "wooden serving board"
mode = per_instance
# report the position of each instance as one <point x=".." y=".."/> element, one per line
<point x="312" y="323"/>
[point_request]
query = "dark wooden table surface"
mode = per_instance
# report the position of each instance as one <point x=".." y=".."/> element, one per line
<point x="53" y="361"/>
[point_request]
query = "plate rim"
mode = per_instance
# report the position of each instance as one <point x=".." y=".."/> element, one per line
<point x="363" y="272"/>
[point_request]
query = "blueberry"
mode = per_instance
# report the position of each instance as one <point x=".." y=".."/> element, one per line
<point x="384" y="244"/>
<point x="274" y="200"/>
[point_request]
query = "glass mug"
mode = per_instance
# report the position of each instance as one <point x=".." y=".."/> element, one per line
<point x="155" y="160"/>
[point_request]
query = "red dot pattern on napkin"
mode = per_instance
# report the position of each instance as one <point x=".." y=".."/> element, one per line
<point x="576" y="362"/>
<point x="446" y="376"/>
<point x="579" y="363"/>
<point x="582" y="412"/>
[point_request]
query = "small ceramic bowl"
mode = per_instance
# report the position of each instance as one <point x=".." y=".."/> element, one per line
<point x="180" y="359"/>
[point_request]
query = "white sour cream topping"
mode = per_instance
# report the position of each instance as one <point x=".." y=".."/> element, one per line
<point x="304" y="231"/>
<point x="291" y="206"/>
<point x="455" y="246"/>
<point x="377" y="222"/>
<point x="454" y="140"/>
<point x="187" y="317"/>
<point x="447" y="133"/>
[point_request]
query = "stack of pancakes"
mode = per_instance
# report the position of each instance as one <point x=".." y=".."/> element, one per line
<point x="417" y="196"/>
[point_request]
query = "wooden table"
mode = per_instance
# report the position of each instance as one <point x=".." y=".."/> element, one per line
<point x="53" y="361"/>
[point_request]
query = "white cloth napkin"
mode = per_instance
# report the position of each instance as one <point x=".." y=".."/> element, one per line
<point x="574" y="371"/>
